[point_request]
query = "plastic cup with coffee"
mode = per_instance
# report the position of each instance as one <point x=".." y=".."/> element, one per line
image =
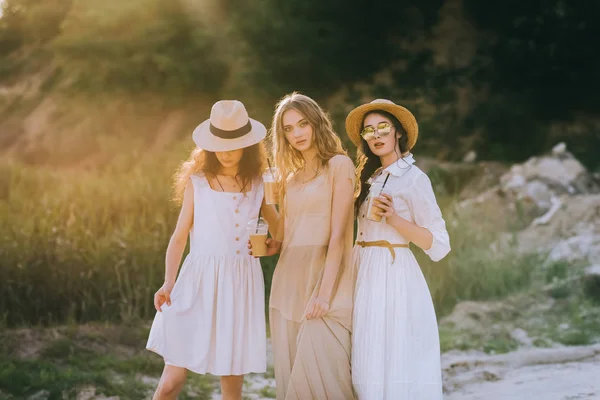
<point x="258" y="229"/>
<point x="376" y="190"/>
<point x="271" y="186"/>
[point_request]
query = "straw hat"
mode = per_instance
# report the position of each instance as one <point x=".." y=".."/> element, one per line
<point x="229" y="128"/>
<point x="354" y="120"/>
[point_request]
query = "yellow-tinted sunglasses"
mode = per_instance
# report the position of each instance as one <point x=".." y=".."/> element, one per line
<point x="369" y="133"/>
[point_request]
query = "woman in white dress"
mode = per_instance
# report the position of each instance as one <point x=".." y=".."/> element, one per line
<point x="395" y="343"/>
<point x="211" y="319"/>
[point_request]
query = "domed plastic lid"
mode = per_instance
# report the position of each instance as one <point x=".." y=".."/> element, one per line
<point x="257" y="226"/>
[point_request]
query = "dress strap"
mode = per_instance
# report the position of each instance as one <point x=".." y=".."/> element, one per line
<point x="199" y="180"/>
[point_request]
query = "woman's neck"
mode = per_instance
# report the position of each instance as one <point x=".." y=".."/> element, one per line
<point x="310" y="158"/>
<point x="231" y="171"/>
<point x="390" y="158"/>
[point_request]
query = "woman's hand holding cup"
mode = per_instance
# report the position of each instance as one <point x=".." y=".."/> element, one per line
<point x="272" y="247"/>
<point x="385" y="203"/>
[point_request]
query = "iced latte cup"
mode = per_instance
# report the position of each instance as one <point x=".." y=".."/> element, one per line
<point x="271" y="186"/>
<point x="375" y="191"/>
<point x="258" y="230"/>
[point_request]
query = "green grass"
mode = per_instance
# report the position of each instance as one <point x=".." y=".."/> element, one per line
<point x="572" y="320"/>
<point x="63" y="367"/>
<point x="96" y="356"/>
<point x="24" y="377"/>
<point x="79" y="245"/>
<point x="268" y="392"/>
<point x="473" y="271"/>
<point x="85" y="245"/>
<point x="88" y="245"/>
<point x="491" y="343"/>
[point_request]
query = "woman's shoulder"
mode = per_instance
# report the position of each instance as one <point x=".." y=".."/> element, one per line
<point x="198" y="175"/>
<point x="341" y="165"/>
<point x="415" y="179"/>
<point x="199" y="179"/>
<point x="340" y="161"/>
<point x="257" y="182"/>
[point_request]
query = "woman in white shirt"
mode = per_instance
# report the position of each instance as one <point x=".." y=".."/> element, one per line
<point x="395" y="344"/>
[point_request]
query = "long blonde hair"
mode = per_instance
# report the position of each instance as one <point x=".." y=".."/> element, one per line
<point x="289" y="160"/>
<point x="206" y="162"/>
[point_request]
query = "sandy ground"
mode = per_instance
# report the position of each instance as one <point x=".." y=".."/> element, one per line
<point x="562" y="373"/>
<point x="565" y="373"/>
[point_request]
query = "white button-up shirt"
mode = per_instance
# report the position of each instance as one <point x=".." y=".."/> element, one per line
<point x="414" y="201"/>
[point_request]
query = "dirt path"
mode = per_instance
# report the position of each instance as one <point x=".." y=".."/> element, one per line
<point x="530" y="373"/>
<point x="562" y="373"/>
<point x="565" y="373"/>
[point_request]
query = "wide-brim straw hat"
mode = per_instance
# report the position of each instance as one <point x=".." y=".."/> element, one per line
<point x="228" y="128"/>
<point x="354" y="120"/>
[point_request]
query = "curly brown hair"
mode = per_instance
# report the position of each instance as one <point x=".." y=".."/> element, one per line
<point x="251" y="166"/>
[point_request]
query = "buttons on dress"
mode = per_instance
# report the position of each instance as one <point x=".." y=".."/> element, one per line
<point x="237" y="225"/>
<point x="237" y="252"/>
<point x="237" y="239"/>
<point x="235" y="197"/>
<point x="237" y="210"/>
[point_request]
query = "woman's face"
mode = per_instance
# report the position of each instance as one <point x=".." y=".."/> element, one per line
<point x="298" y="132"/>
<point x="383" y="137"/>
<point x="230" y="159"/>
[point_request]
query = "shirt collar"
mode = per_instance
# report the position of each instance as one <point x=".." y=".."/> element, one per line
<point x="400" y="167"/>
<point x="397" y="168"/>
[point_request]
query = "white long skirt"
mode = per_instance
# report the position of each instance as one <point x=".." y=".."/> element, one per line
<point x="395" y="340"/>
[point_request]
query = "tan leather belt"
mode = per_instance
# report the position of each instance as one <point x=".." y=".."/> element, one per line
<point x="382" y="243"/>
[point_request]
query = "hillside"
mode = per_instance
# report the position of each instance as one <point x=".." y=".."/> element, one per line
<point x="94" y="75"/>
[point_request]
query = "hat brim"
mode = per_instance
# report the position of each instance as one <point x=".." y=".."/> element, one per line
<point x="204" y="138"/>
<point x="355" y="118"/>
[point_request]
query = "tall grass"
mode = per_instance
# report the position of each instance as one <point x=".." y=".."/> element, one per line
<point x="474" y="270"/>
<point x="83" y="245"/>
<point x="89" y="245"/>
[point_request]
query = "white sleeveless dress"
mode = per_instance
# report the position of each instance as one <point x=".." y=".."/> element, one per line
<point x="216" y="321"/>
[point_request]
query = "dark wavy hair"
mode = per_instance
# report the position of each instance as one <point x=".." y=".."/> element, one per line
<point x="367" y="162"/>
<point x="251" y="166"/>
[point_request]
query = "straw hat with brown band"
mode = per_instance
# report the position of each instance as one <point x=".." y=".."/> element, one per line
<point x="354" y="120"/>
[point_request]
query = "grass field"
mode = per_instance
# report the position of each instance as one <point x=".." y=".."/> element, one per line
<point x="88" y="245"/>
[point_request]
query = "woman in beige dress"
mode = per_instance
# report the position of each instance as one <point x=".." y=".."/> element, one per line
<point x="310" y="307"/>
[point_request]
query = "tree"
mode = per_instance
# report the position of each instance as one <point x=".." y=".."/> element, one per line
<point x="315" y="45"/>
<point x="544" y="53"/>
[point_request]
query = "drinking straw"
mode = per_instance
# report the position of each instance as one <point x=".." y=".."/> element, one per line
<point x="270" y="168"/>
<point x="258" y="221"/>
<point x="384" y="182"/>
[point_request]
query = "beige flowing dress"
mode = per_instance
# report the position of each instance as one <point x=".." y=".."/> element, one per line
<point x="312" y="357"/>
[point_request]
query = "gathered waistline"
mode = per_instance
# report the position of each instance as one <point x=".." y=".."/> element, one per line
<point x="201" y="254"/>
<point x="385" y="244"/>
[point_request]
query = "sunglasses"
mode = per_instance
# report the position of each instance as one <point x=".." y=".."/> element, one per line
<point x="382" y="130"/>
